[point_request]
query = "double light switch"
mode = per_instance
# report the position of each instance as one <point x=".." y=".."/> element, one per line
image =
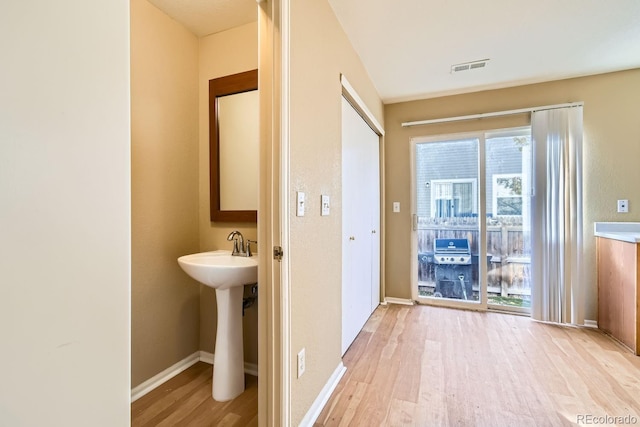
<point x="325" y="204"/>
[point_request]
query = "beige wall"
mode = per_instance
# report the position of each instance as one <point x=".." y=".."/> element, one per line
<point x="320" y="52"/>
<point x="64" y="215"/>
<point x="221" y="54"/>
<point x="164" y="114"/>
<point x="611" y="153"/>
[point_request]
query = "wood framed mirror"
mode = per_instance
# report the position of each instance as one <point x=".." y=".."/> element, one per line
<point x="234" y="147"/>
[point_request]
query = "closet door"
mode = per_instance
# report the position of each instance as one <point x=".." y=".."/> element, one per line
<point x="360" y="223"/>
<point x="373" y="201"/>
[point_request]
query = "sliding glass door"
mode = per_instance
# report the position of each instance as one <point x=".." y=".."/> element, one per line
<point x="446" y="222"/>
<point x="508" y="165"/>
<point x="472" y="210"/>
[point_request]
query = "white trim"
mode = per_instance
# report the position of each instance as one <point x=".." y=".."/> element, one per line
<point x="249" y="368"/>
<point x="493" y="114"/>
<point x="207" y="357"/>
<point x="401" y="301"/>
<point x="358" y="104"/>
<point x="590" y="323"/>
<point x="177" y="368"/>
<point x="164" y="376"/>
<point x="318" y="405"/>
<point x="285" y="272"/>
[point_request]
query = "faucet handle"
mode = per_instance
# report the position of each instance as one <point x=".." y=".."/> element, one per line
<point x="249" y="242"/>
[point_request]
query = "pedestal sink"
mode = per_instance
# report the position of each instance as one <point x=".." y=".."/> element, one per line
<point x="226" y="274"/>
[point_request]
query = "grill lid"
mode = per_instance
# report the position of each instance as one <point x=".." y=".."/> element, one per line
<point x="451" y="246"/>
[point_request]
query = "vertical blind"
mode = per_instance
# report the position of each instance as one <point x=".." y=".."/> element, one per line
<point x="558" y="278"/>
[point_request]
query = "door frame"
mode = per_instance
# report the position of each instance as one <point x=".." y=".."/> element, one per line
<point x="274" y="326"/>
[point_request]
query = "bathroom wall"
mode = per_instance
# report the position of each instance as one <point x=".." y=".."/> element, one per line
<point x="222" y="54"/>
<point x="164" y="185"/>
<point x="64" y="213"/>
<point x="172" y="315"/>
<point x="611" y="153"/>
<point x="320" y="52"/>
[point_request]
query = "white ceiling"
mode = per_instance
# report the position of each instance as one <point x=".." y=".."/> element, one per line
<point x="204" y="17"/>
<point x="409" y="46"/>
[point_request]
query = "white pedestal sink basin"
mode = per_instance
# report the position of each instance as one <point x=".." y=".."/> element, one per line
<point x="226" y="274"/>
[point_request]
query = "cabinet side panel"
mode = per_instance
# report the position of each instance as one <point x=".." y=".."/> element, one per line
<point x="605" y="269"/>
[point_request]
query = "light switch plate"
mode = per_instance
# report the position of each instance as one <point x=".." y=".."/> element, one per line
<point x="326" y="205"/>
<point x="396" y="207"/>
<point x="302" y="362"/>
<point x="300" y="203"/>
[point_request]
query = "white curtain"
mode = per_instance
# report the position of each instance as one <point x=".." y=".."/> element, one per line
<point x="557" y="291"/>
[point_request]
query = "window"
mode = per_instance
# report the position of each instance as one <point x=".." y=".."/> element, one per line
<point x="453" y="198"/>
<point x="507" y="194"/>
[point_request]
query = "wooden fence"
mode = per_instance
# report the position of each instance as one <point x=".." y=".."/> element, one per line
<point x="508" y="259"/>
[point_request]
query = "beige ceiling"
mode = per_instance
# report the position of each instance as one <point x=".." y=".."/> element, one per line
<point x="204" y="17"/>
<point x="409" y="46"/>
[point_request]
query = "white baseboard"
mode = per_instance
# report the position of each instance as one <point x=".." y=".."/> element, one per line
<point x="249" y="368"/>
<point x="322" y="399"/>
<point x="206" y="357"/>
<point x="164" y="376"/>
<point x="402" y="301"/>
<point x="590" y="323"/>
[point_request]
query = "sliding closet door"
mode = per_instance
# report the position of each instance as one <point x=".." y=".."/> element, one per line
<point x="360" y="223"/>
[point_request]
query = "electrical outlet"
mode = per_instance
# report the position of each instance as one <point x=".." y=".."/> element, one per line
<point x="623" y="206"/>
<point x="302" y="363"/>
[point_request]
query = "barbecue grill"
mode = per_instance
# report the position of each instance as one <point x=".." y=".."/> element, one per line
<point x="453" y="269"/>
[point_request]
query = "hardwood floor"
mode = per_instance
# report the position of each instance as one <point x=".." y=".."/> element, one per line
<point x="429" y="366"/>
<point x="186" y="400"/>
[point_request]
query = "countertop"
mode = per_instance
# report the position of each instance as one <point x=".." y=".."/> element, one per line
<point x="624" y="231"/>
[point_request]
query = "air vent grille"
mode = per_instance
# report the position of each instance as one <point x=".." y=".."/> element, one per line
<point x="473" y="65"/>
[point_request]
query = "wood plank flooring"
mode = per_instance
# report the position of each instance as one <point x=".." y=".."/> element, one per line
<point x="430" y="366"/>
<point x="185" y="400"/>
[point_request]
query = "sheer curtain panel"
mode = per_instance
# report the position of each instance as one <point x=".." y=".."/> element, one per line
<point x="557" y="292"/>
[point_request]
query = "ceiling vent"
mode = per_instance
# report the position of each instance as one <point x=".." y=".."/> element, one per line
<point x="474" y="65"/>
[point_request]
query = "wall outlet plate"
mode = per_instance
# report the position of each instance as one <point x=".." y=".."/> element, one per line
<point x="396" y="207"/>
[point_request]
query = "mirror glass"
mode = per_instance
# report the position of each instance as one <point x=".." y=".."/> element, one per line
<point x="238" y="133"/>
<point x="234" y="147"/>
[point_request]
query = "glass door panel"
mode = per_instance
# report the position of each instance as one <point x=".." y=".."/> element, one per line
<point x="446" y="221"/>
<point x="508" y="205"/>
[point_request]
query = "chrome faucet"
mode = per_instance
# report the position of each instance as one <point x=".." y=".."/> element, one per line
<point x="238" y="243"/>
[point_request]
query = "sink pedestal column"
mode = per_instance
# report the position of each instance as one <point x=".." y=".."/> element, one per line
<point x="228" y="362"/>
